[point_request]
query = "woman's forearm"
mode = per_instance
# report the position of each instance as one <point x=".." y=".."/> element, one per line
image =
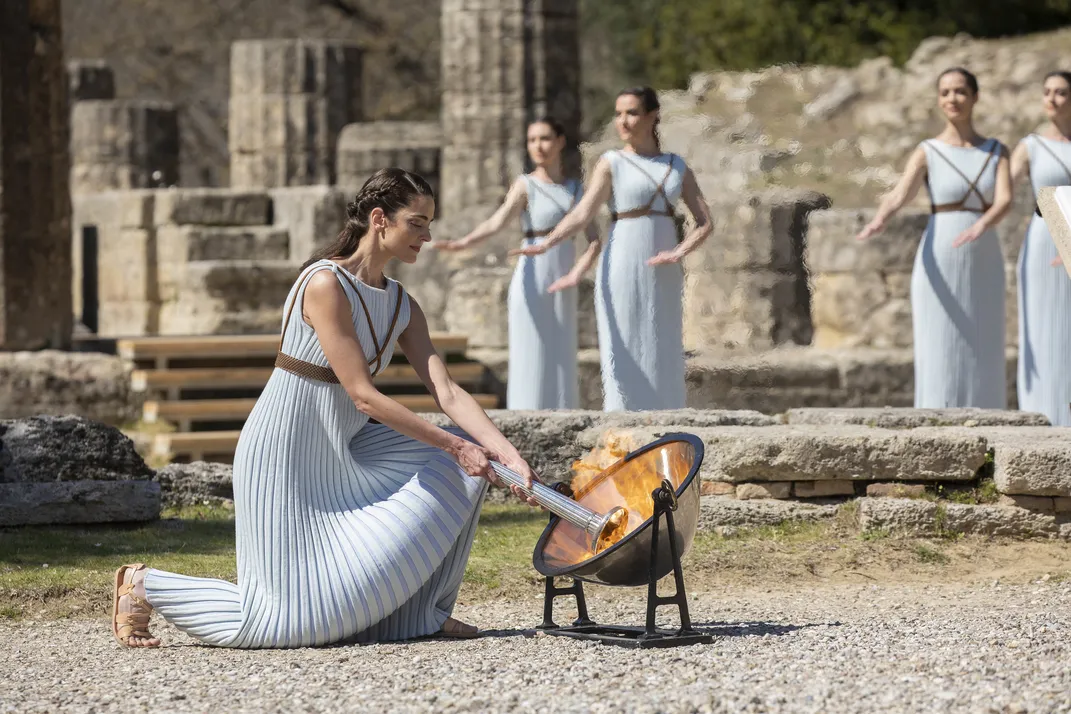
<point x="388" y="411"/>
<point x="473" y="420"/>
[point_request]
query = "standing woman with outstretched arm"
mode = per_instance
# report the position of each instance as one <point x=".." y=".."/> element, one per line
<point x="542" y="311"/>
<point x="957" y="284"/>
<point x="1044" y="382"/>
<point x="639" y="289"/>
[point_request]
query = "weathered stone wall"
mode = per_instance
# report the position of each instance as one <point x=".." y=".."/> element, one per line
<point x="365" y="147"/>
<point x="200" y="261"/>
<point x="123" y="144"/>
<point x="289" y="100"/>
<point x="35" y="205"/>
<point x="89" y="79"/>
<point x="504" y="63"/>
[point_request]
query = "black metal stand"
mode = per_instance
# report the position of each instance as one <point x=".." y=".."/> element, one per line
<point x="665" y="502"/>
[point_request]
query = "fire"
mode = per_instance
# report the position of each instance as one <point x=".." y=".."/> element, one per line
<point x="603" y="481"/>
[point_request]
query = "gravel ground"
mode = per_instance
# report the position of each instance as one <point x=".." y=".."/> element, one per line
<point x="904" y="648"/>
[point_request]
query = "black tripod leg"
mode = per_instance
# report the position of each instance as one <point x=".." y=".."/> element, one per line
<point x="681" y="596"/>
<point x="548" y="606"/>
<point x="652" y="577"/>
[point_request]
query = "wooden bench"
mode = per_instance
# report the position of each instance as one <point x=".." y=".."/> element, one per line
<point x="163" y="349"/>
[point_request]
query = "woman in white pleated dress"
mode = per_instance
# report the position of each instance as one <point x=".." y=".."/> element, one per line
<point x="346" y="530"/>
<point x="957" y="285"/>
<point x="542" y="297"/>
<point x="639" y="289"/>
<point x="1044" y="381"/>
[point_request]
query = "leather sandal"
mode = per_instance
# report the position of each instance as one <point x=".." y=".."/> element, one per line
<point x="135" y="623"/>
<point x="458" y="629"/>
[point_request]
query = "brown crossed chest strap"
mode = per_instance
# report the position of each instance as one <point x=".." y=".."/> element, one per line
<point x="540" y="234"/>
<point x="660" y="190"/>
<point x="320" y="373"/>
<point x="972" y="186"/>
<point x="1060" y="161"/>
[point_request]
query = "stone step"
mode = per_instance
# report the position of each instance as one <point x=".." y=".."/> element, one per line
<point x="907" y="418"/>
<point x="237" y="243"/>
<point x="789" y="453"/>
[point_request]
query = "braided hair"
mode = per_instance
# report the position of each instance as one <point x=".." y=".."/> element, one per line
<point x="388" y="189"/>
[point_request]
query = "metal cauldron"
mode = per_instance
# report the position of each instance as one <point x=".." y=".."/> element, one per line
<point x="564" y="549"/>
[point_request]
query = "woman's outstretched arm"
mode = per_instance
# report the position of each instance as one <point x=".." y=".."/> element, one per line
<point x="905" y="190"/>
<point x="516" y="200"/>
<point x="582" y="214"/>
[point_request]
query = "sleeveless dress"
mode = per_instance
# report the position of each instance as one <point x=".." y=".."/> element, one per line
<point x="345" y="529"/>
<point x="1044" y="380"/>
<point x="957" y="294"/>
<point x="542" y="326"/>
<point x="639" y="307"/>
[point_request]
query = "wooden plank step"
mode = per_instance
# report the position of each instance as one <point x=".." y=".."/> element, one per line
<point x="212" y="346"/>
<point x="187" y="410"/>
<point x="194" y="443"/>
<point x="395" y="375"/>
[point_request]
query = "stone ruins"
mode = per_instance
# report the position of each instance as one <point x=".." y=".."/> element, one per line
<point x="783" y="307"/>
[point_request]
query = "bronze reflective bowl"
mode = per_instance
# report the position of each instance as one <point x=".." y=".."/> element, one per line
<point x="562" y="548"/>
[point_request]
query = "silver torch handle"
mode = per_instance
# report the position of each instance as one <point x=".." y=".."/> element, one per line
<point x="596" y="525"/>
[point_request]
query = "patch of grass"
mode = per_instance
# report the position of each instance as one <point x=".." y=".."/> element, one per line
<point x="502" y="550"/>
<point x="874" y="534"/>
<point x="929" y="555"/>
<point x="61" y="570"/>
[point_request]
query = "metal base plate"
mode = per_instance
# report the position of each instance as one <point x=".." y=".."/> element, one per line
<point x="623" y="636"/>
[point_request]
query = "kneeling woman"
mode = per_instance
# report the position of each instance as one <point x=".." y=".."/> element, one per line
<point x="345" y="529"/>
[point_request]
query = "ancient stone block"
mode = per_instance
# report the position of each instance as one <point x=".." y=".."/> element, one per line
<point x="35" y="203"/>
<point x="90" y="79"/>
<point x="909" y="418"/>
<point x="476" y="306"/>
<point x="503" y="63"/>
<point x="23" y="504"/>
<point x="822" y="489"/>
<point x="748" y="491"/>
<point x="237" y="243"/>
<point x="1032" y="503"/>
<point x="196" y="483"/>
<point x="926" y="518"/>
<point x="312" y="215"/>
<point x="225" y="297"/>
<point x="212" y="207"/>
<point x="832" y="248"/>
<point x="366" y="147"/>
<point x="715" y="512"/>
<point x="717" y="488"/>
<point x="847" y="453"/>
<point x="66" y="448"/>
<point x="123" y="144"/>
<point x="895" y="490"/>
<point x="1031" y="461"/>
<point x="289" y="101"/>
<point x="50" y="382"/>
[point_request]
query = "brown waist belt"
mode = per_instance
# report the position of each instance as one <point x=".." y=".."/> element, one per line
<point x="305" y="369"/>
<point x="638" y="213"/>
<point x="951" y="207"/>
<point x="536" y="234"/>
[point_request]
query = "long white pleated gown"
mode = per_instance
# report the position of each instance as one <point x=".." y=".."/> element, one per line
<point x="1044" y="379"/>
<point x="957" y="294"/>
<point x="638" y="306"/>
<point x="542" y="326"/>
<point x="344" y="529"/>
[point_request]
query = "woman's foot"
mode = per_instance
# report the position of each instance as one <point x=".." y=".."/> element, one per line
<point x="457" y="628"/>
<point x="130" y="609"/>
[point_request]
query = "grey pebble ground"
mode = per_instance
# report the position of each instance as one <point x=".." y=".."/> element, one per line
<point x="903" y="648"/>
